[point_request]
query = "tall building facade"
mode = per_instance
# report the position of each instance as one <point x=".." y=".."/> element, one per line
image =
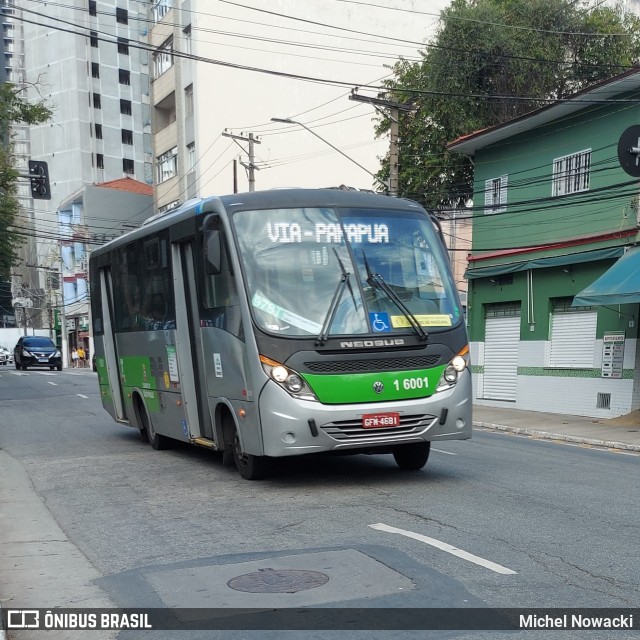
<point x="84" y="60"/>
<point x="172" y="92"/>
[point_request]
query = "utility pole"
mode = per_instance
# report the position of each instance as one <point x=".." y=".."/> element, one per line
<point x="235" y="176"/>
<point x="394" y="116"/>
<point x="249" y="166"/>
<point x="64" y="338"/>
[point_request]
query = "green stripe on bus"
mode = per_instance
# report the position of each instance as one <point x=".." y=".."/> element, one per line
<point x="361" y="387"/>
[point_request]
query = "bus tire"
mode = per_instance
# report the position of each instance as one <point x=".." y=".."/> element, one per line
<point x="249" y="467"/>
<point x="157" y="441"/>
<point x="412" y="457"/>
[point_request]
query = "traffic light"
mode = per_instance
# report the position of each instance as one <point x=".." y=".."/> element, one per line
<point x="39" y="176"/>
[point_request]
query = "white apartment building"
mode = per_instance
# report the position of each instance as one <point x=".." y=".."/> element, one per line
<point x="222" y="71"/>
<point x="81" y="58"/>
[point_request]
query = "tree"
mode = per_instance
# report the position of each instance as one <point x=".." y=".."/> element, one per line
<point x="491" y="61"/>
<point x="13" y="110"/>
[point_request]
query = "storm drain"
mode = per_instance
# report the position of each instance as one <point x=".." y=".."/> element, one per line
<point x="278" y="581"/>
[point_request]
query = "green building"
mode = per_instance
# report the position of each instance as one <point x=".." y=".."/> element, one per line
<point x="557" y="206"/>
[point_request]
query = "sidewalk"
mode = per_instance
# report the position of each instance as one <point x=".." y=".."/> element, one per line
<point x="615" y="433"/>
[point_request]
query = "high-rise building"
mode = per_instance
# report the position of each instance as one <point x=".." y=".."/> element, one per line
<point x="76" y="57"/>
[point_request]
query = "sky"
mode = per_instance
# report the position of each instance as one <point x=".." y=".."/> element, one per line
<point x="352" y="42"/>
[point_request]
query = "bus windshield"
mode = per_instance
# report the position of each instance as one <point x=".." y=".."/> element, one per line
<point x="345" y="272"/>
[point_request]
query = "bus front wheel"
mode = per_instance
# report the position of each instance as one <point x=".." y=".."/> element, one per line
<point x="412" y="457"/>
<point x="249" y="467"/>
<point x="156" y="440"/>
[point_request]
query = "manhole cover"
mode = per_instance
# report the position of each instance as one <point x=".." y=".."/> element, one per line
<point x="278" y="581"/>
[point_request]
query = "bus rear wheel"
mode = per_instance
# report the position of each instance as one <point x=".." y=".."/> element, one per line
<point x="412" y="457"/>
<point x="249" y="467"/>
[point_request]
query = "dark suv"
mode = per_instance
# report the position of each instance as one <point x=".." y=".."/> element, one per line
<point x="36" y="351"/>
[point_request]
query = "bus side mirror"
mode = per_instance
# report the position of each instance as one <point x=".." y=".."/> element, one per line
<point x="213" y="252"/>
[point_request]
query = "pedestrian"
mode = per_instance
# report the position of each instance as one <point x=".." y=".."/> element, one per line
<point x="81" y="356"/>
<point x="74" y="358"/>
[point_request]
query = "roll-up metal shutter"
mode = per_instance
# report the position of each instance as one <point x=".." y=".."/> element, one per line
<point x="573" y="339"/>
<point x="502" y="337"/>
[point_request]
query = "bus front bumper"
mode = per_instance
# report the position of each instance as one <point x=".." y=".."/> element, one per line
<point x="295" y="427"/>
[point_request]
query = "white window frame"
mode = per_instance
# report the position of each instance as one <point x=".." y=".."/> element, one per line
<point x="167" y="165"/>
<point x="160" y="8"/>
<point x="163" y="58"/>
<point x="495" y="194"/>
<point x="186" y="32"/>
<point x="191" y="156"/>
<point x="188" y="100"/>
<point x="571" y="173"/>
<point x="167" y="207"/>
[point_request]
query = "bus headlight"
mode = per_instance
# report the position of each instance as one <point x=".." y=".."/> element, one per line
<point x="288" y="379"/>
<point x="452" y="371"/>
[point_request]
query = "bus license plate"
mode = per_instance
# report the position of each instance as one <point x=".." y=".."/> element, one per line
<point x="380" y="420"/>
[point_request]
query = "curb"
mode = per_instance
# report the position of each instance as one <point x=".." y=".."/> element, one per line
<point x="546" y="435"/>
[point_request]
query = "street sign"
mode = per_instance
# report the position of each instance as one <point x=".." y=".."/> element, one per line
<point x="629" y="150"/>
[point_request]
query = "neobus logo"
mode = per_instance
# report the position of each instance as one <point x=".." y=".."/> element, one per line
<point x="359" y="344"/>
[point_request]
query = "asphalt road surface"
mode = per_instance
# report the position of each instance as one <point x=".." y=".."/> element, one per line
<point x="93" y="517"/>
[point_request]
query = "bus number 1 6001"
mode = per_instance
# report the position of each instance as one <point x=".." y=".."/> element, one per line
<point x="409" y="384"/>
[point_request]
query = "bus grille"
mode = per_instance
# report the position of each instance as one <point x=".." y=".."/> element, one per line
<point x="370" y="366"/>
<point x="345" y="430"/>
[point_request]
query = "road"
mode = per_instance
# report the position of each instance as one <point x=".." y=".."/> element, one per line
<point x="95" y="517"/>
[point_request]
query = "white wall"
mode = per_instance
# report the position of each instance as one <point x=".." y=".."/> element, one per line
<point x="9" y="337"/>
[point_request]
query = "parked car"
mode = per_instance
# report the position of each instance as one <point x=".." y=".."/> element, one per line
<point x="36" y="351"/>
<point x="6" y="356"/>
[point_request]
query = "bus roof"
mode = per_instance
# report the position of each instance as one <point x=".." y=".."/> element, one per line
<point x="268" y="199"/>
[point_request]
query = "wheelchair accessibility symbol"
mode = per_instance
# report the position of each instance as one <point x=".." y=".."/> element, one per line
<point x="380" y="322"/>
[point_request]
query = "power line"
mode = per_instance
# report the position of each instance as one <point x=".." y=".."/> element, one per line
<point x="333" y="82"/>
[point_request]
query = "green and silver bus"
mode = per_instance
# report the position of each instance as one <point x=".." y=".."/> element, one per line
<point x="284" y="323"/>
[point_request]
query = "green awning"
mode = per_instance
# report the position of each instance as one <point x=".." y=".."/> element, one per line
<point x="544" y="263"/>
<point x="619" y="285"/>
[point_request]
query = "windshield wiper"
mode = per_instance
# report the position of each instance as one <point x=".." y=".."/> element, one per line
<point x="376" y="281"/>
<point x="333" y="307"/>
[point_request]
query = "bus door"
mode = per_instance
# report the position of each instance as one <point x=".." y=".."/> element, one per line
<point x="189" y="341"/>
<point x="110" y="347"/>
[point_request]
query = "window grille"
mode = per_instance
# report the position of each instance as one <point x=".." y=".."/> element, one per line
<point x="571" y="173"/>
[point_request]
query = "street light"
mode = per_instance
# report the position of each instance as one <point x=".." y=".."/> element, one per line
<point x="304" y="126"/>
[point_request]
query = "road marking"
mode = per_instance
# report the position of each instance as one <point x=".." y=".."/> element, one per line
<point x="19" y="373"/>
<point x="449" y="453"/>
<point x="81" y="395"/>
<point x="443" y="546"/>
<point x="55" y="384"/>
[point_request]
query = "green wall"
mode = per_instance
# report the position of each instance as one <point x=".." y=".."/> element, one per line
<point x="547" y="285"/>
<point x="527" y="160"/>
